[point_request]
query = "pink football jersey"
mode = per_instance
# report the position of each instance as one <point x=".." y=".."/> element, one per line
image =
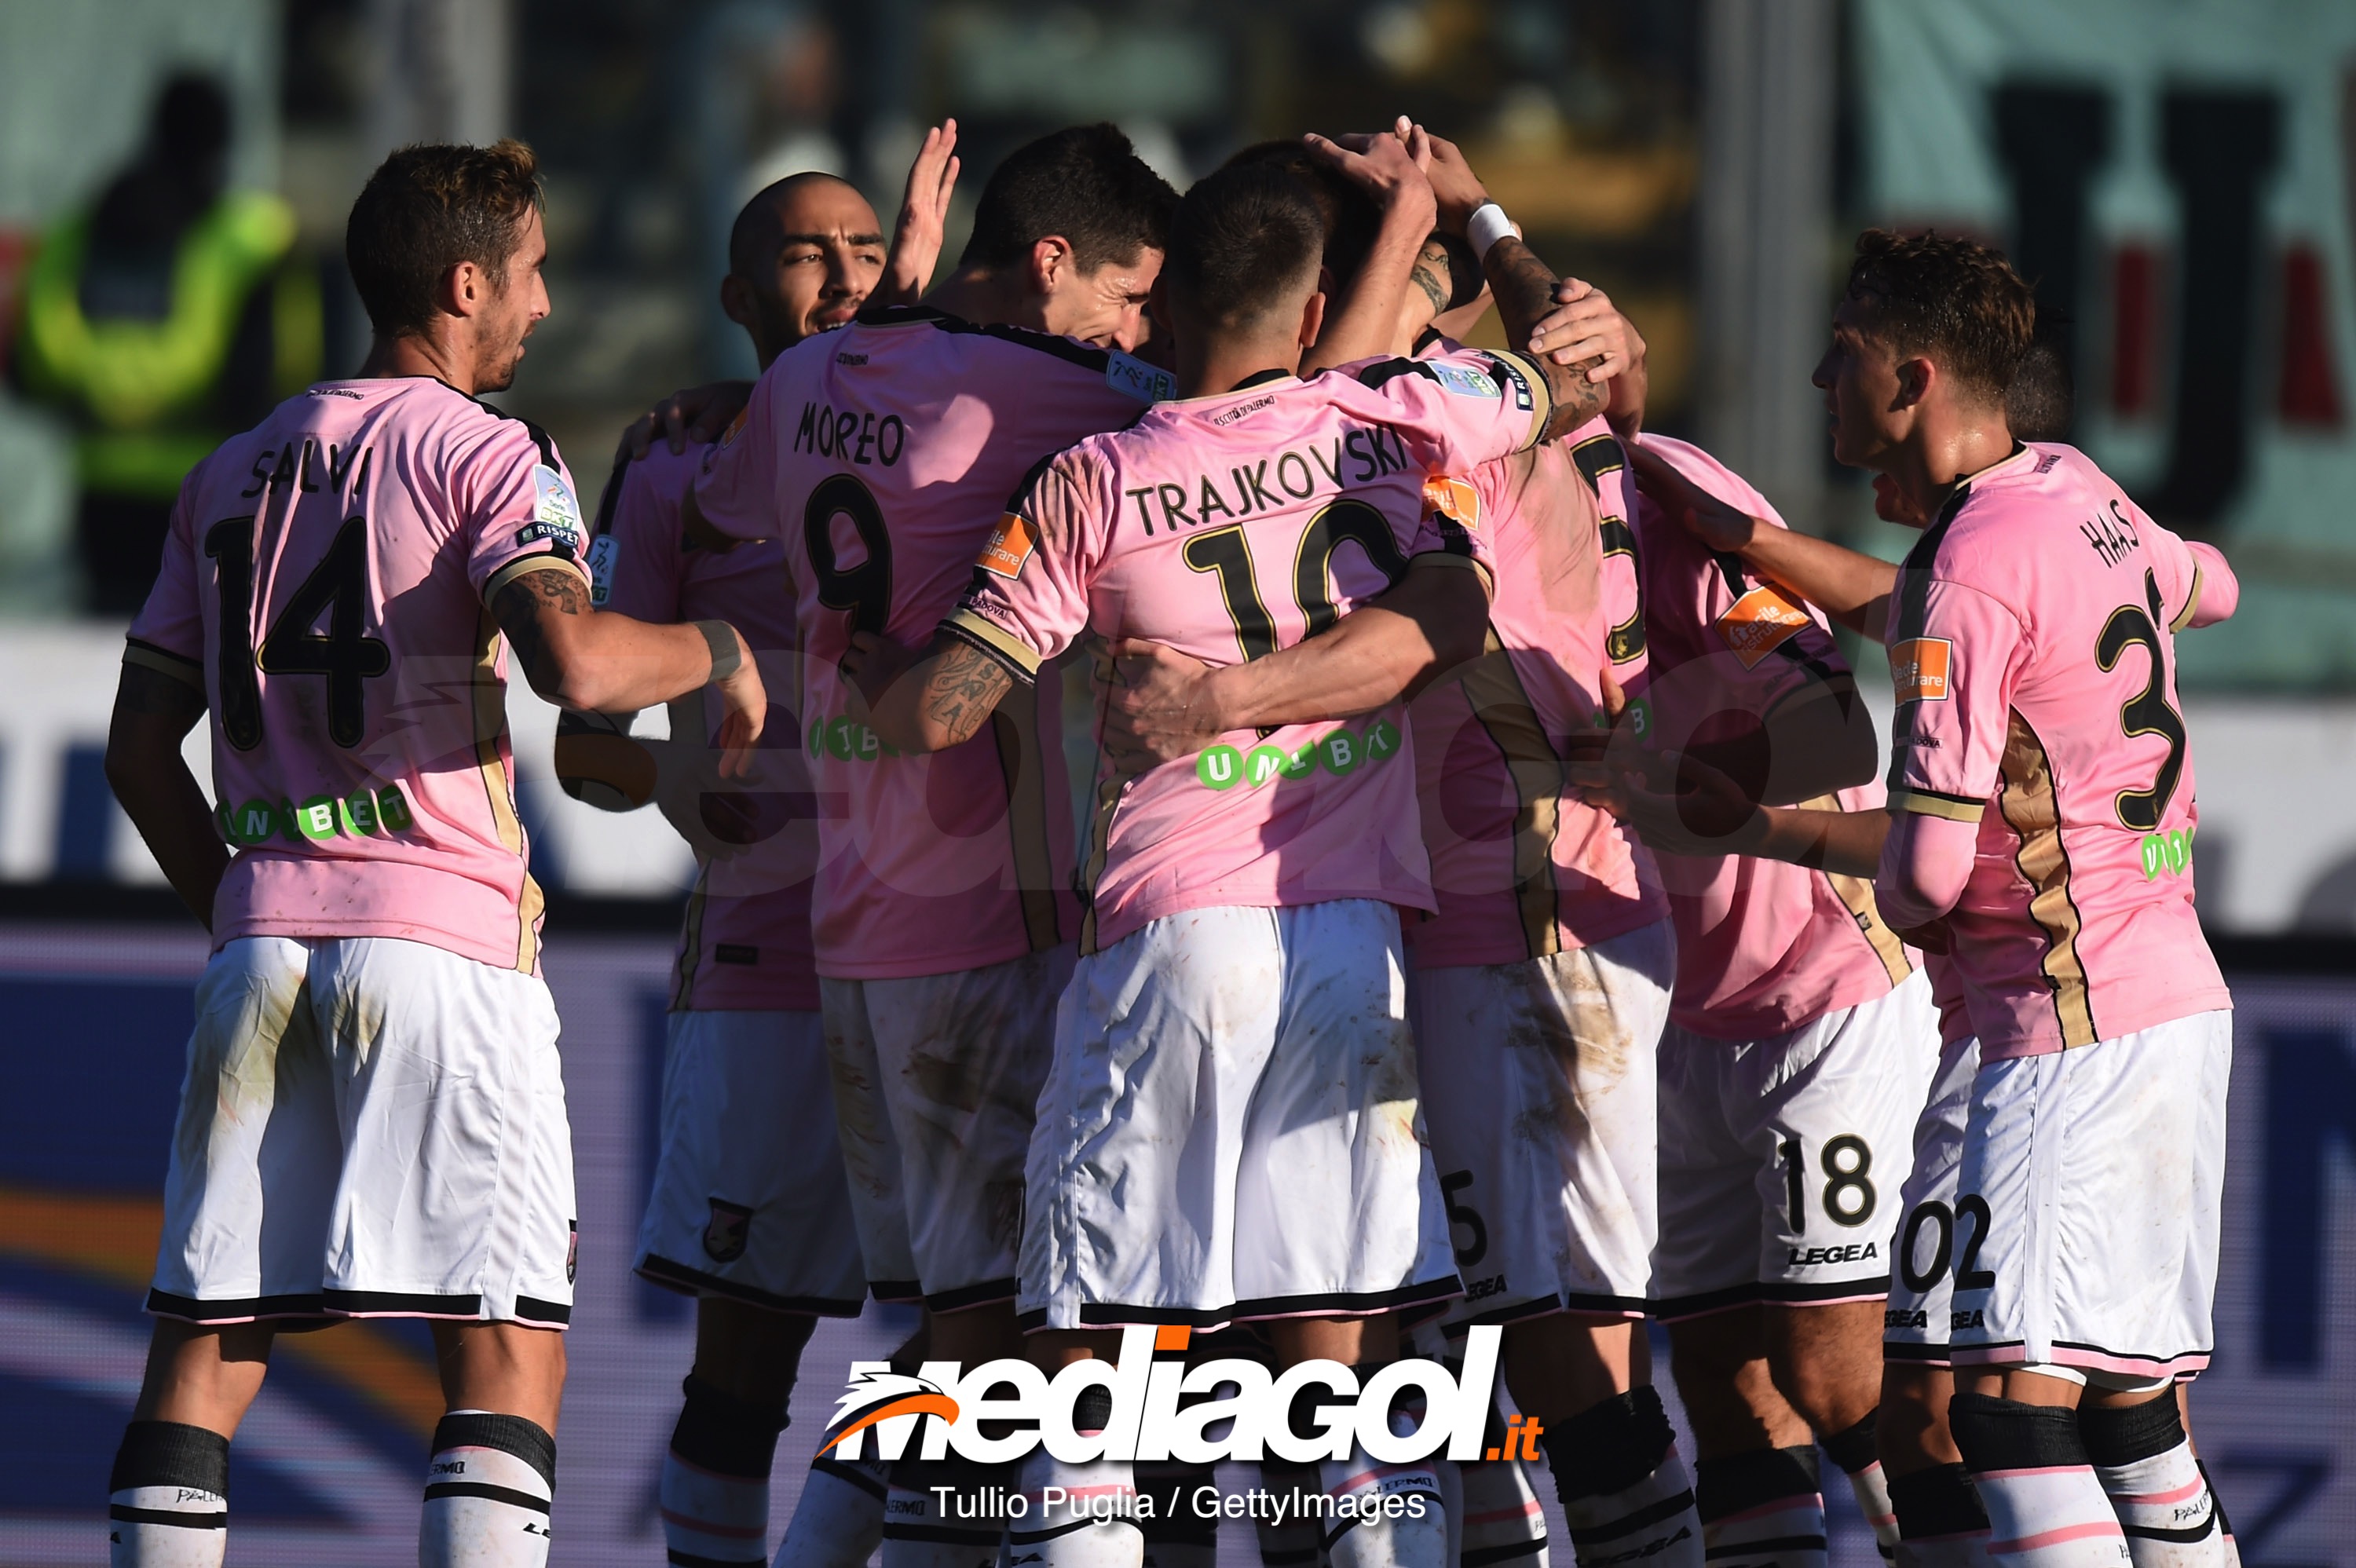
<point x="1519" y="866"/>
<point x="1763" y="947"/>
<point x="1227" y="528"/>
<point x="1947" y="995"/>
<point x="2033" y="645"/>
<point x="327" y="579"/>
<point x="881" y="456"/>
<point x="746" y="942"/>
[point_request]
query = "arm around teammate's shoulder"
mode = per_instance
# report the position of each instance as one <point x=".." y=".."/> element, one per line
<point x="939" y="699"/>
<point x="603" y="663"/>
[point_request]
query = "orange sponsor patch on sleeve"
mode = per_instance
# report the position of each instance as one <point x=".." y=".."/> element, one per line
<point x="1453" y="499"/>
<point x="1757" y="623"/>
<point x="1920" y="669"/>
<point x="1011" y="544"/>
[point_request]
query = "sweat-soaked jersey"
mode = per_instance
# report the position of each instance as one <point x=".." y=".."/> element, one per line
<point x="1521" y="867"/>
<point x="881" y="456"/>
<point x="1763" y="947"/>
<point x="1228" y="528"/>
<point x="745" y="944"/>
<point x="327" y="580"/>
<point x="2033" y="643"/>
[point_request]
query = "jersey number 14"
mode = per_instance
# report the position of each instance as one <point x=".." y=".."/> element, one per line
<point x="338" y="588"/>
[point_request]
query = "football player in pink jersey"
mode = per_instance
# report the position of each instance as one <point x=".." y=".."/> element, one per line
<point x="880" y="455"/>
<point x="334" y="593"/>
<point x="749" y="1210"/>
<point x="2023" y="731"/>
<point x="1247" y="896"/>
<point x="1550" y="929"/>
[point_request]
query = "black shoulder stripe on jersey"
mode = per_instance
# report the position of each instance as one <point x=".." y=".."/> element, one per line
<point x="1737" y="581"/>
<point x="1914" y="572"/>
<point x="1064" y="349"/>
<point x="1599" y="455"/>
<point x="1015" y="502"/>
<point x="540" y="437"/>
<point x="610" y="498"/>
<point x="1383" y="370"/>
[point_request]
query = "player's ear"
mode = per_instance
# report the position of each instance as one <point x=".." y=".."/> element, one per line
<point x="1312" y="316"/>
<point x="465" y="288"/>
<point x="1916" y="377"/>
<point x="736" y="301"/>
<point x="1051" y="260"/>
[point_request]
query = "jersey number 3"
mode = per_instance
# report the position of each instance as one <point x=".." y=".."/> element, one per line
<point x="338" y="588"/>
<point x="2148" y="711"/>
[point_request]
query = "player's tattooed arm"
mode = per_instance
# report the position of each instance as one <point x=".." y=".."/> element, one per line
<point x="600" y="662"/>
<point x="1525" y="287"/>
<point x="153" y="714"/>
<point x="936" y="701"/>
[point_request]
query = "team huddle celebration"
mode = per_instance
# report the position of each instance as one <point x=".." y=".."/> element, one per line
<point x="1482" y="915"/>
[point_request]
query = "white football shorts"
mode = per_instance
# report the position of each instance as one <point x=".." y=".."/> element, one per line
<point x="1231" y="1130"/>
<point x="1540" y="1089"/>
<point x="2102" y="1173"/>
<point x="1923" y="1279"/>
<point x="369" y="1128"/>
<point x="1782" y="1158"/>
<point x="936" y="1086"/>
<point x="749" y="1199"/>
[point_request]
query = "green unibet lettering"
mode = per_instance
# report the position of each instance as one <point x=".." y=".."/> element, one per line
<point x="1302" y="763"/>
<point x="818" y="736"/>
<point x="359" y="813"/>
<point x="317" y="817"/>
<point x="1264" y="763"/>
<point x="1339" y="752"/>
<point x="2171" y="851"/>
<point x="839" y="733"/>
<point x="393" y="809"/>
<point x="1381" y="741"/>
<point x="1219" y="766"/>
<point x="256" y="821"/>
<point x="864" y="743"/>
<point x="2179" y="850"/>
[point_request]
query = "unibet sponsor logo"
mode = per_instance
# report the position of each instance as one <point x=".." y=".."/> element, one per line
<point x="846" y="741"/>
<point x="1163" y="1409"/>
<point x="383" y="810"/>
<point x="1338" y="751"/>
<point x="2167" y="854"/>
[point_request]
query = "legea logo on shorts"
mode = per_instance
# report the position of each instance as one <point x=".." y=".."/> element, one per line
<point x="1164" y="1410"/>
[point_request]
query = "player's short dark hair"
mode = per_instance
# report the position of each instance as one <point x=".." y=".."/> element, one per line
<point x="2042" y="401"/>
<point x="1242" y="238"/>
<point x="755" y="237"/>
<point x="1350" y="215"/>
<point x="1086" y="184"/>
<point x="1953" y="300"/>
<point x="427" y="209"/>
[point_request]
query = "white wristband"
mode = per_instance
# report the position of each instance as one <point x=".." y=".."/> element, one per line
<point x="1487" y="225"/>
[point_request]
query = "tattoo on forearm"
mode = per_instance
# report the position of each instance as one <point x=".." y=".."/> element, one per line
<point x="1430" y="275"/>
<point x="1525" y="289"/>
<point x="964" y="690"/>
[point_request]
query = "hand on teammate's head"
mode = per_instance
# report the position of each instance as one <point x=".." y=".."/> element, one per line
<point x="1586" y="328"/>
<point x="1455" y="186"/>
<point x="1377" y="162"/>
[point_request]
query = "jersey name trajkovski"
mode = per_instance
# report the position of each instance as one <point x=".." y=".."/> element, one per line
<point x="1227" y="528"/>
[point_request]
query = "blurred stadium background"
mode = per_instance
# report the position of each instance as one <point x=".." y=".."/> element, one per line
<point x="2178" y="175"/>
